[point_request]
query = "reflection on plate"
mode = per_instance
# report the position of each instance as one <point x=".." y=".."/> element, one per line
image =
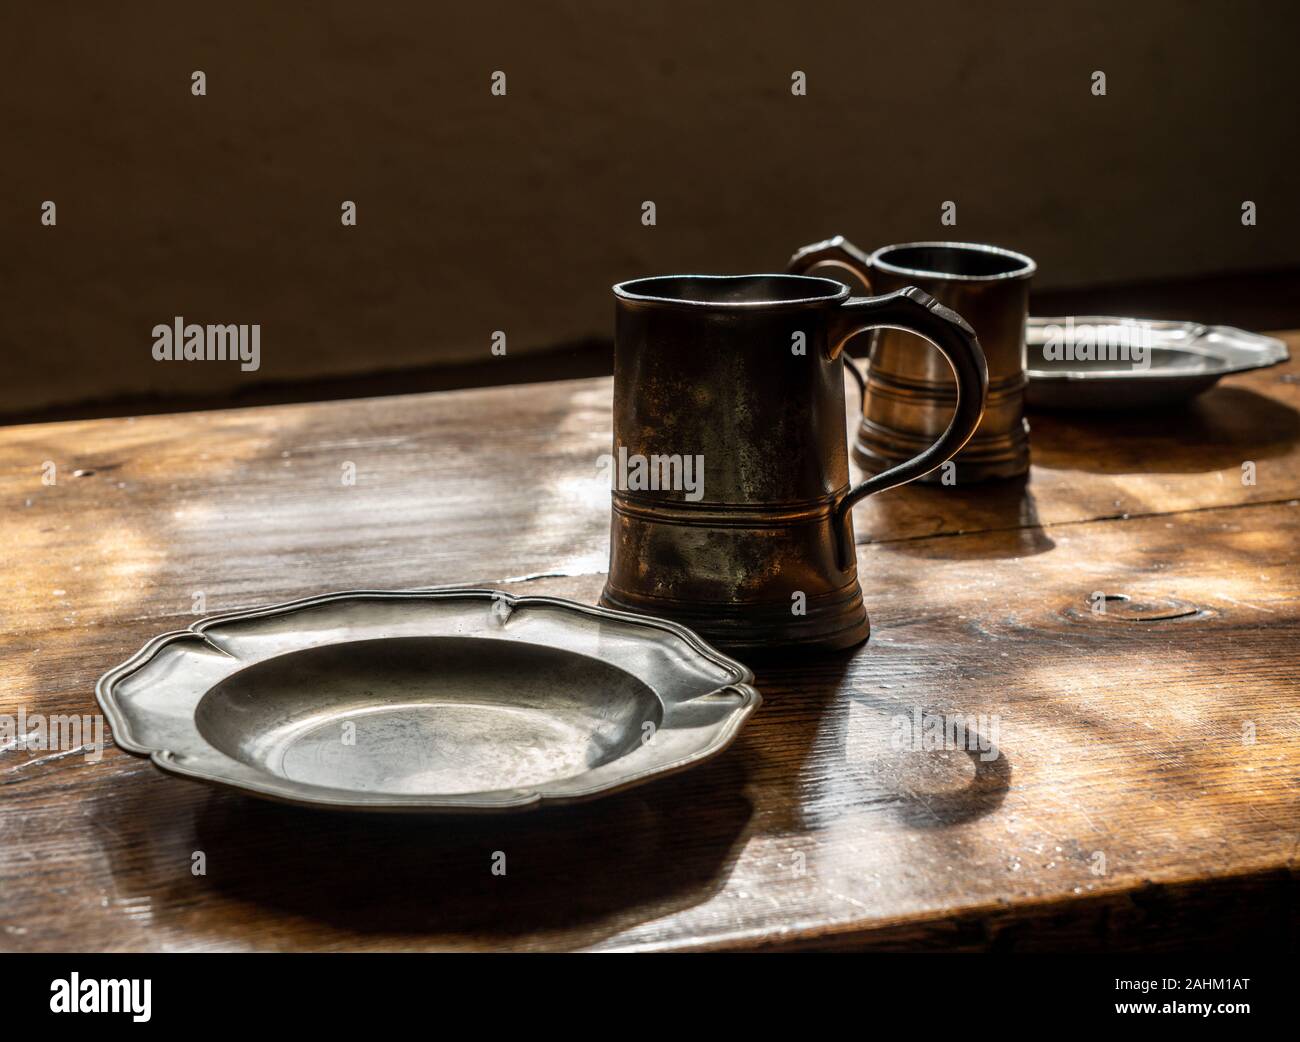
<point x="1108" y="363"/>
<point x="454" y="700"/>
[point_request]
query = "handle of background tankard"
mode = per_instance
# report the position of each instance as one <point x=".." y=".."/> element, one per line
<point x="835" y="252"/>
<point x="914" y="311"/>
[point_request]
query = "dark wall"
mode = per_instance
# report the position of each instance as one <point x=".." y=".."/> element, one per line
<point x="479" y="213"/>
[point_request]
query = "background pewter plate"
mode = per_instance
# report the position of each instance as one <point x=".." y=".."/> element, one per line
<point x="1186" y="359"/>
<point x="453" y="700"/>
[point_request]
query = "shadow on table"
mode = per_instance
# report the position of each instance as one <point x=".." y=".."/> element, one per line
<point x="936" y="768"/>
<point x="1003" y="513"/>
<point x="840" y="752"/>
<point x="1217" y="430"/>
<point x="571" y="874"/>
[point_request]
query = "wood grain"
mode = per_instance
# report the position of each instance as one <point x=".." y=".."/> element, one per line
<point x="1160" y="735"/>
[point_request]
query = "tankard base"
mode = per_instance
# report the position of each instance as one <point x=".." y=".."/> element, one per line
<point x="877" y="448"/>
<point x="830" y="624"/>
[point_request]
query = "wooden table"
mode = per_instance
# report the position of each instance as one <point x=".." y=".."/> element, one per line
<point x="1145" y="789"/>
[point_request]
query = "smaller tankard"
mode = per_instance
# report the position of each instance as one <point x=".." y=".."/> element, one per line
<point x="907" y="399"/>
<point x="732" y="509"/>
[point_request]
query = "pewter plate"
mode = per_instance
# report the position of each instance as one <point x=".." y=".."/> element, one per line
<point x="448" y="701"/>
<point x="1186" y="358"/>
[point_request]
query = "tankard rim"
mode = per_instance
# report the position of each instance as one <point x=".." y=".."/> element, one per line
<point x="658" y="290"/>
<point x="1025" y="266"/>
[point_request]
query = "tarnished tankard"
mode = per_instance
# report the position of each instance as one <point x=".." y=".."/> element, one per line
<point x="731" y="499"/>
<point x="908" y="397"/>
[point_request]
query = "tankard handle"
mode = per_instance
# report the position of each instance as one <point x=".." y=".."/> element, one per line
<point x="835" y="252"/>
<point x="914" y="311"/>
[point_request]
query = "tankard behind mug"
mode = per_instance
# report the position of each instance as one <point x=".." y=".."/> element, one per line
<point x="907" y="399"/>
<point x="731" y="501"/>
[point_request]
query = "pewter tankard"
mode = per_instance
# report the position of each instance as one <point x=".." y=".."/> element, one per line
<point x="731" y="500"/>
<point x="908" y="399"/>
